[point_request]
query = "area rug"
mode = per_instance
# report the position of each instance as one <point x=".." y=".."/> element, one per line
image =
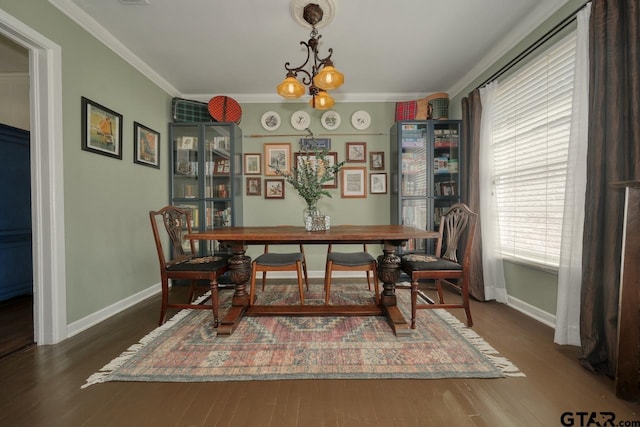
<point x="187" y="349"/>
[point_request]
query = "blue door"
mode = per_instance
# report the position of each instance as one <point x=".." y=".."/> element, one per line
<point x="16" y="267"/>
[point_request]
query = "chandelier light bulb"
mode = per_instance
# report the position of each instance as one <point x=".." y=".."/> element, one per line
<point x="290" y="88"/>
<point x="329" y="78"/>
<point x="322" y="101"/>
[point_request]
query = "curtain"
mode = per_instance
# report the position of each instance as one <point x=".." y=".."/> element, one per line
<point x="567" y="329"/>
<point x="612" y="155"/>
<point x="494" y="283"/>
<point x="471" y="114"/>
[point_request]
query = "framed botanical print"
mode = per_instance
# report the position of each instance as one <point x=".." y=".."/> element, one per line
<point x="332" y="159"/>
<point x="146" y="147"/>
<point x="277" y="156"/>
<point x="254" y="186"/>
<point x="376" y="160"/>
<point x="353" y="181"/>
<point x="252" y="164"/>
<point x="274" y="188"/>
<point x="101" y="129"/>
<point x="378" y="183"/>
<point x="357" y="152"/>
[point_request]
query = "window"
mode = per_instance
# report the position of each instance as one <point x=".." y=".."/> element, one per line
<point x="530" y="142"/>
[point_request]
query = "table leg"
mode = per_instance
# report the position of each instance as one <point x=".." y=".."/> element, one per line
<point x="388" y="273"/>
<point x="240" y="273"/>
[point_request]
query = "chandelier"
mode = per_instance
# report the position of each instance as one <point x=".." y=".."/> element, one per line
<point x="323" y="75"/>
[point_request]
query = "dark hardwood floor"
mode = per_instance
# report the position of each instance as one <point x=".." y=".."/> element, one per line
<point x="16" y="324"/>
<point x="41" y="387"/>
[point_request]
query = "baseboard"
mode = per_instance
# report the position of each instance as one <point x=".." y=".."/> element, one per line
<point x="532" y="312"/>
<point x="97" y="317"/>
<point x="100" y="315"/>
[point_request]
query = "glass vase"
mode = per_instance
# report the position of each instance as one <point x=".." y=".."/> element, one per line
<point x="309" y="212"/>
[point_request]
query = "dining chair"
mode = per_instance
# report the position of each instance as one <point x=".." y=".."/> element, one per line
<point x="274" y="261"/>
<point x="182" y="262"/>
<point x="350" y="261"/>
<point x="444" y="266"/>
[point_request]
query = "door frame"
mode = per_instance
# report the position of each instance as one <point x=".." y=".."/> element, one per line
<point x="47" y="184"/>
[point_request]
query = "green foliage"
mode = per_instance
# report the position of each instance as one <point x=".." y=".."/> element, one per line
<point x="312" y="171"/>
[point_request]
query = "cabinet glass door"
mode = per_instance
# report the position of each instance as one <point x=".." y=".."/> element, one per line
<point x="413" y="140"/>
<point x="415" y="214"/>
<point x="217" y="158"/>
<point x="185" y="155"/>
<point x="445" y="168"/>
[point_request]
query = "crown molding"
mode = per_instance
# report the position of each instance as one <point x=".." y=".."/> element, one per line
<point x="89" y="24"/>
<point x="272" y="98"/>
<point x="533" y="20"/>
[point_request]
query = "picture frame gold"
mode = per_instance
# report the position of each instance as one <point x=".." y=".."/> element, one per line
<point x="252" y="164"/>
<point x="353" y="182"/>
<point x="279" y="155"/>
<point x="332" y="159"/>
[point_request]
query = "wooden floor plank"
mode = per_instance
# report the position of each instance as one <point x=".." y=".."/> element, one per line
<point x="41" y="386"/>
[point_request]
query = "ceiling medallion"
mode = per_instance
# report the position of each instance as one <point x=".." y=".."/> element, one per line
<point x="322" y="76"/>
<point x="297" y="10"/>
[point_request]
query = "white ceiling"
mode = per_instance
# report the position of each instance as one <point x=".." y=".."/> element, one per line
<point x="388" y="50"/>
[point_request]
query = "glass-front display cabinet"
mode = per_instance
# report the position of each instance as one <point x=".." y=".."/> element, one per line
<point x="206" y="175"/>
<point x="425" y="175"/>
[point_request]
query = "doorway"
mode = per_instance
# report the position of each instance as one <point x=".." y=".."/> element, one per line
<point x="16" y="262"/>
<point x="47" y="188"/>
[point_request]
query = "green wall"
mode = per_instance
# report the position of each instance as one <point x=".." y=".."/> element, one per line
<point x="109" y="250"/>
<point x="374" y="209"/>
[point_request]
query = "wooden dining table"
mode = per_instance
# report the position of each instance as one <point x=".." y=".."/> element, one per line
<point x="238" y="238"/>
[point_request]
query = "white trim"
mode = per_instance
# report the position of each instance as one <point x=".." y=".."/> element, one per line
<point x="111" y="310"/>
<point x="84" y="20"/>
<point x="47" y="186"/>
<point x="541" y="13"/>
<point x="532" y="311"/>
<point x="271" y="98"/>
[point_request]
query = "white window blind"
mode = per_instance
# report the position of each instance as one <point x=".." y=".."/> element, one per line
<point x="530" y="142"/>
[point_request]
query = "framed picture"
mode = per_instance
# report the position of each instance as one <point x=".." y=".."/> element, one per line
<point x="252" y="164"/>
<point x="307" y="144"/>
<point x="146" y="148"/>
<point x="332" y="159"/>
<point x="378" y="183"/>
<point x="376" y="160"/>
<point x="277" y="156"/>
<point x="448" y="188"/>
<point x="357" y="152"/>
<point x="274" y="188"/>
<point x="101" y="129"/>
<point x="186" y="142"/>
<point x="221" y="166"/>
<point x="254" y="186"/>
<point x="354" y="182"/>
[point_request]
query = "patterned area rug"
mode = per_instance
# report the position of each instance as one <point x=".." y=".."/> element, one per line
<point x="187" y="349"/>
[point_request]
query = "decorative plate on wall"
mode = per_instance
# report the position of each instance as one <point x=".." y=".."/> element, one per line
<point x="300" y="120"/>
<point x="360" y="120"/>
<point x="270" y="120"/>
<point x="330" y="120"/>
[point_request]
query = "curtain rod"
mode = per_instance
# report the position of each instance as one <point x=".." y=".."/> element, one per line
<point x="552" y="32"/>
